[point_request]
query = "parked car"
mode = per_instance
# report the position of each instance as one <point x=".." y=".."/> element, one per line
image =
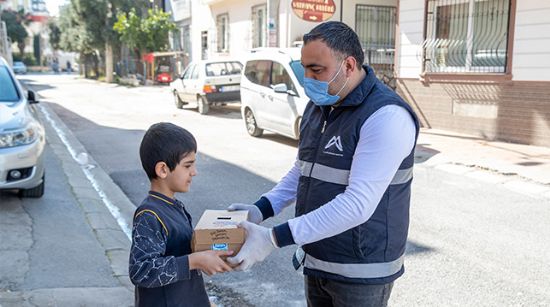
<point x="22" y="138"/>
<point x="163" y="74"/>
<point x="19" y="67"/>
<point x="208" y="82"/>
<point x="272" y="93"/>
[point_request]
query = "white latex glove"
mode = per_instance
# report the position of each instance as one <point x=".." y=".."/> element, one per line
<point x="257" y="246"/>
<point x="254" y="214"/>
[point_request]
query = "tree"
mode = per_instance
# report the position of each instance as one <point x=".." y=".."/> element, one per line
<point x="145" y="34"/>
<point x="15" y="27"/>
<point x="55" y="33"/>
<point x="87" y="27"/>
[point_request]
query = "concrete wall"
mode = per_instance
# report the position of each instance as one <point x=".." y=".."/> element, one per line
<point x="240" y="25"/>
<point x="410" y="37"/>
<point x="531" y="61"/>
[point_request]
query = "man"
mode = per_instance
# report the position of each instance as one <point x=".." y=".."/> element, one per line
<point x="351" y="180"/>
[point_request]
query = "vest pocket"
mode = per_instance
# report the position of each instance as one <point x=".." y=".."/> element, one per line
<point x="359" y="242"/>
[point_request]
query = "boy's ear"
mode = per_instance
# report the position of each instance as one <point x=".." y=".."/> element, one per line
<point x="162" y="170"/>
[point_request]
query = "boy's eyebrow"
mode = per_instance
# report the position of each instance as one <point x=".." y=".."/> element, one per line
<point x="188" y="161"/>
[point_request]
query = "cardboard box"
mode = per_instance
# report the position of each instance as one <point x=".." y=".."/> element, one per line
<point x="217" y="230"/>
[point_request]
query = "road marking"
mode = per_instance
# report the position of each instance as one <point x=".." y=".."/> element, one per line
<point x="114" y="210"/>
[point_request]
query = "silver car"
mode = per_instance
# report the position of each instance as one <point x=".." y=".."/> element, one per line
<point x="22" y="138"/>
<point x="19" y="67"/>
<point x="208" y="82"/>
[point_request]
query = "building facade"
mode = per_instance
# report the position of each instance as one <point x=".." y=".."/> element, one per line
<point x="479" y="67"/>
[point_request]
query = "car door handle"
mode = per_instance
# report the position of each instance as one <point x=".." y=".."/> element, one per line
<point x="270" y="97"/>
<point x="262" y="94"/>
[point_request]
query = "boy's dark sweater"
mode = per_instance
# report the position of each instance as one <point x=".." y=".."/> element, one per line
<point x="159" y="263"/>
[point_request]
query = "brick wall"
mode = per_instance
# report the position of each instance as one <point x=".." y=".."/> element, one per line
<point x="513" y="111"/>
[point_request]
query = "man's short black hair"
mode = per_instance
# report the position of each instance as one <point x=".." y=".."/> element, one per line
<point x="165" y="142"/>
<point x="339" y="38"/>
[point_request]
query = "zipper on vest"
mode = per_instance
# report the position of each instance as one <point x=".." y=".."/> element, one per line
<point x="325" y="121"/>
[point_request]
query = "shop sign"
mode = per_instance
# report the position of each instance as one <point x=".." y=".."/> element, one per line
<point x="313" y="10"/>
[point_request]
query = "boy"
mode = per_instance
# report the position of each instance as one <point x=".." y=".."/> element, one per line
<point x="162" y="266"/>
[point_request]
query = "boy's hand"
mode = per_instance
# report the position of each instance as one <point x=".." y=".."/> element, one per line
<point x="210" y="262"/>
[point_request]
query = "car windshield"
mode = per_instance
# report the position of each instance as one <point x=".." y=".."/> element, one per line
<point x="298" y="70"/>
<point x="8" y="91"/>
<point x="223" y="69"/>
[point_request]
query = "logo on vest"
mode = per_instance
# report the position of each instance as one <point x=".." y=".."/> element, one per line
<point x="335" y="141"/>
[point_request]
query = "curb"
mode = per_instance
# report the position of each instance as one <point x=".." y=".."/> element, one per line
<point x="107" y="209"/>
<point x="510" y="181"/>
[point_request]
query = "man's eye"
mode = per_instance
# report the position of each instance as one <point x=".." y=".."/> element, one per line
<point x="316" y="71"/>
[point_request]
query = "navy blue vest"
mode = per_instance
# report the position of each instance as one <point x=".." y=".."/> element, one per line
<point x="372" y="252"/>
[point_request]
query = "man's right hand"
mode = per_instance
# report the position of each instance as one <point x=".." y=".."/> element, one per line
<point x="254" y="214"/>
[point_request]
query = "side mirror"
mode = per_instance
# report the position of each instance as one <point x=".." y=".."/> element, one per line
<point x="280" y="88"/>
<point x="31" y="98"/>
<point x="291" y="93"/>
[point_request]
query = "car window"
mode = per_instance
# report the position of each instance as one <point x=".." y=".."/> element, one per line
<point x="188" y="71"/>
<point x="8" y="91"/>
<point x="195" y="73"/>
<point x="280" y="75"/>
<point x="258" y="71"/>
<point x="298" y="70"/>
<point x="223" y="69"/>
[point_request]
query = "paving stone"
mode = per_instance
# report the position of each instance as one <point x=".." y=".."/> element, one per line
<point x="113" y="239"/>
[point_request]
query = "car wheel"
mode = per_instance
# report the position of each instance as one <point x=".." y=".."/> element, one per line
<point x="251" y="126"/>
<point x="202" y="105"/>
<point x="177" y="101"/>
<point x="35" y="192"/>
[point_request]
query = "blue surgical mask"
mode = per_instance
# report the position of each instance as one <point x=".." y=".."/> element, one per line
<point x="317" y="90"/>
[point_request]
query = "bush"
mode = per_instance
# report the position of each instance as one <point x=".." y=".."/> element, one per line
<point x="28" y="59"/>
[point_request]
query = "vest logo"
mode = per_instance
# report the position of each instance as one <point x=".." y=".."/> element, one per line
<point x="335" y="141"/>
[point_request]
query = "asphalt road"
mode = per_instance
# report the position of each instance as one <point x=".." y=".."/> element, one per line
<point x="471" y="243"/>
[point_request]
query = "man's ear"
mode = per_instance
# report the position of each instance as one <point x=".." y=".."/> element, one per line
<point x="161" y="169"/>
<point x="350" y="65"/>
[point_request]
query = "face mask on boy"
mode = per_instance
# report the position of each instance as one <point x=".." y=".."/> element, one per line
<point x="317" y="90"/>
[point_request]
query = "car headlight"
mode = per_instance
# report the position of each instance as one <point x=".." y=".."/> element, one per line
<point x="18" y="137"/>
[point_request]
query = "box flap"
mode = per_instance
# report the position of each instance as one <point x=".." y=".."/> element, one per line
<point x="221" y="219"/>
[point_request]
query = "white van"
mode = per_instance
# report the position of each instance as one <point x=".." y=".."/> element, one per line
<point x="272" y="93"/>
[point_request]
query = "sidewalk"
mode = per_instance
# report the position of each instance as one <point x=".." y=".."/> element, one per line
<point x="523" y="168"/>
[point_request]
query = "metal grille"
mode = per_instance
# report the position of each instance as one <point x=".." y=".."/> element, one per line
<point x="259" y="16"/>
<point x="466" y="36"/>
<point x="375" y="26"/>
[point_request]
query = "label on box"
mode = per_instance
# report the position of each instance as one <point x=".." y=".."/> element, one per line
<point x="220" y="247"/>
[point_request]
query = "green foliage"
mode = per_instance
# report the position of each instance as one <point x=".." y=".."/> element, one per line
<point x="145" y="34"/>
<point x="86" y="26"/>
<point x="55" y="33"/>
<point x="27" y="58"/>
<point x="15" y="27"/>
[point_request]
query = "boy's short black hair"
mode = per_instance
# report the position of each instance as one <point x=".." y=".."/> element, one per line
<point x="340" y="38"/>
<point x="165" y="142"/>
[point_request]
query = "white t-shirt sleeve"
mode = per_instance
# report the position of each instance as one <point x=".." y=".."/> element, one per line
<point x="386" y="138"/>
<point x="284" y="193"/>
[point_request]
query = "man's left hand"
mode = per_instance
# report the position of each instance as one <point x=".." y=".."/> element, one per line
<point x="256" y="248"/>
